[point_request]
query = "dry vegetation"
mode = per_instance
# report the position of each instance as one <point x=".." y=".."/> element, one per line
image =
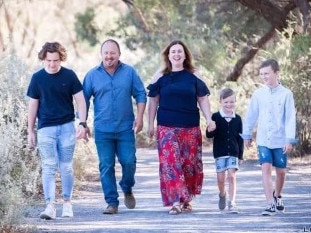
<point x="25" y="27"/>
<point x="23" y="36"/>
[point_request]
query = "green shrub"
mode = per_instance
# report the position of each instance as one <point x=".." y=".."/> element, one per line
<point x="19" y="170"/>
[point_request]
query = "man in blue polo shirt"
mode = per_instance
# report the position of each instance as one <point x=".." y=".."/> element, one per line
<point x="113" y="84"/>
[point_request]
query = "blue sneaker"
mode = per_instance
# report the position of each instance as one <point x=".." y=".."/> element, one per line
<point x="222" y="202"/>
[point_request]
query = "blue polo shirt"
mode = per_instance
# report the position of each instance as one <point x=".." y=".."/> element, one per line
<point x="113" y="97"/>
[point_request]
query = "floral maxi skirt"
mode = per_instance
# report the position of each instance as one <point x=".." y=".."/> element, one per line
<point x="180" y="163"/>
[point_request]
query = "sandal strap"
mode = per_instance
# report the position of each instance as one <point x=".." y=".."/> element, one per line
<point x="176" y="209"/>
<point x="187" y="207"/>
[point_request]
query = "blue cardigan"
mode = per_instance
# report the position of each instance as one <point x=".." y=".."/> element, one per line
<point x="227" y="140"/>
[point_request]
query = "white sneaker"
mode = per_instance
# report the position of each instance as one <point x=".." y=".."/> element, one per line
<point x="232" y="208"/>
<point x="269" y="211"/>
<point x="67" y="210"/>
<point x="49" y="213"/>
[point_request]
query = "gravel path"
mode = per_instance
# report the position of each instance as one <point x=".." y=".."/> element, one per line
<point x="150" y="216"/>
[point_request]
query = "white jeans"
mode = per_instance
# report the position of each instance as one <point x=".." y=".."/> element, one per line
<point x="56" y="147"/>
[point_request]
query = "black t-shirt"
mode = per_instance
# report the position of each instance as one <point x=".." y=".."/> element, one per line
<point x="55" y="94"/>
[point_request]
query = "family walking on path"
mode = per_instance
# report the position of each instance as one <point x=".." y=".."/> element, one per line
<point x="175" y="98"/>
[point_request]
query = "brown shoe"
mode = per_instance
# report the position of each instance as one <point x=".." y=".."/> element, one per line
<point x="111" y="210"/>
<point x="129" y="200"/>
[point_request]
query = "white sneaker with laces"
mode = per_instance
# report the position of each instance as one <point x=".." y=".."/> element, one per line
<point x="49" y="213"/>
<point x="279" y="205"/>
<point x="67" y="210"/>
<point x="269" y="211"/>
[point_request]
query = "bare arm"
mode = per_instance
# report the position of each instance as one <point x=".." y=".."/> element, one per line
<point x="152" y="109"/>
<point x="32" y="115"/>
<point x="81" y="105"/>
<point x="139" y="121"/>
<point x="206" y="109"/>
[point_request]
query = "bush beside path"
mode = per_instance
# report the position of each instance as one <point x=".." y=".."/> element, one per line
<point x="150" y="216"/>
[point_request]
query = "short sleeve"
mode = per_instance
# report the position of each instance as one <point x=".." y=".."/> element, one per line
<point x="201" y="87"/>
<point x="154" y="89"/>
<point x="77" y="86"/>
<point x="32" y="90"/>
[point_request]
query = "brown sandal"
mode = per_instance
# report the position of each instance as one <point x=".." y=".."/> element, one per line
<point x="187" y="207"/>
<point x="176" y="209"/>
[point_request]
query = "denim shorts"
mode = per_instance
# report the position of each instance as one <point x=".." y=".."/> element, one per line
<point x="274" y="156"/>
<point x="226" y="162"/>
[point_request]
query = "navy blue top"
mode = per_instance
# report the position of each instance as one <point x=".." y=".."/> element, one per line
<point x="55" y="94"/>
<point x="178" y="92"/>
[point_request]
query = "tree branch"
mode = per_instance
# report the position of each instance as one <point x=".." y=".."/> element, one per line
<point x="277" y="17"/>
<point x="305" y="10"/>
<point x="138" y="15"/>
<point x="237" y="70"/>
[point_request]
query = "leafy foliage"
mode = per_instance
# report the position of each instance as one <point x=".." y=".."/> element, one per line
<point x="218" y="33"/>
<point x="85" y="27"/>
<point x="215" y="31"/>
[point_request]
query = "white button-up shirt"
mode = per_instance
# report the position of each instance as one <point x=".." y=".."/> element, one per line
<point x="274" y="109"/>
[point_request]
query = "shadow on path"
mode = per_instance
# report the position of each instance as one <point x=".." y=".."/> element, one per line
<point x="151" y="216"/>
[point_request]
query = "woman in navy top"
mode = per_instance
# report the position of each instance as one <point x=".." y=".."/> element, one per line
<point x="174" y="96"/>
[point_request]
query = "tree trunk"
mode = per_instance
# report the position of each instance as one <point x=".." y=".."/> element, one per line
<point x="249" y="56"/>
<point x="276" y="15"/>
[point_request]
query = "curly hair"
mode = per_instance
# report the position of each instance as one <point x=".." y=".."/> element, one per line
<point x="52" y="47"/>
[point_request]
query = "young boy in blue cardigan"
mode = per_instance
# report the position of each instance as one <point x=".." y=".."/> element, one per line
<point x="228" y="147"/>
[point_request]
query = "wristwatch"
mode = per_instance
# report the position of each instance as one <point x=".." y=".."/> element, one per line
<point x="83" y="124"/>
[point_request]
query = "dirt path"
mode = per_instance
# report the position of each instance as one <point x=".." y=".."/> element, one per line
<point x="151" y="216"/>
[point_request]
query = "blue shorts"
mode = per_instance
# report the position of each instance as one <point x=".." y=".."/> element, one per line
<point x="274" y="156"/>
<point x="226" y="162"/>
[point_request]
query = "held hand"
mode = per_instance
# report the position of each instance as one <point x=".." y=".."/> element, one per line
<point x="211" y="126"/>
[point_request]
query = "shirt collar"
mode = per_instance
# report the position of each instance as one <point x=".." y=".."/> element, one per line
<point x="274" y="89"/>
<point x="226" y="116"/>
<point x="101" y="66"/>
